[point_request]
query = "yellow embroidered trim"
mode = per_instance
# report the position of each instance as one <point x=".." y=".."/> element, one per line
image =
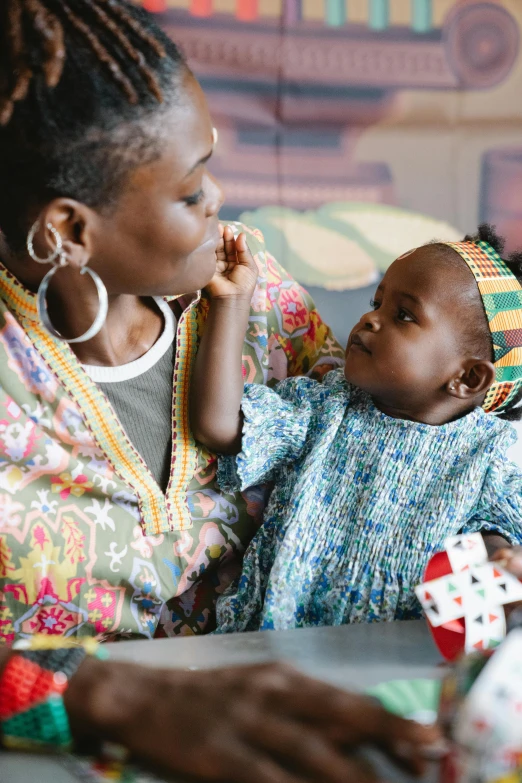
<point x="102" y="421"/>
<point x="184" y="453"/>
<point x="16" y="296"/>
<point x="160" y="514"/>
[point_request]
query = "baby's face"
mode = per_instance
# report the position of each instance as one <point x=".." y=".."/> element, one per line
<point x="409" y="345"/>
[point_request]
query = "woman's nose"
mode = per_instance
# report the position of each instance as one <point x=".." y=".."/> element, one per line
<point x="215" y="195"/>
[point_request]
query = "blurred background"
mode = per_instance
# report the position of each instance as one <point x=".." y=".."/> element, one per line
<point x="353" y="130"/>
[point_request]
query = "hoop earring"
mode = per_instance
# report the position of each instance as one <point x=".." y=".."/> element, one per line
<point x="98" y="321"/>
<point x="57" y="253"/>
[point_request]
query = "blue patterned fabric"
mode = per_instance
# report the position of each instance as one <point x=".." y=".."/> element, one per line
<point x="361" y="502"/>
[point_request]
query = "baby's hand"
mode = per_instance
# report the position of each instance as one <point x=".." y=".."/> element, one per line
<point x="236" y="270"/>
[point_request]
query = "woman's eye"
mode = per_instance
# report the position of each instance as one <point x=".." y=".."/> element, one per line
<point x="374" y="304"/>
<point x="404" y="316"/>
<point x="194" y="199"/>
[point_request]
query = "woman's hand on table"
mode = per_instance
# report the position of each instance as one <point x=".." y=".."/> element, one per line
<point x="265" y="723"/>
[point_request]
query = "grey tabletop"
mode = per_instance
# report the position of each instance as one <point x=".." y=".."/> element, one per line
<point x="353" y="657"/>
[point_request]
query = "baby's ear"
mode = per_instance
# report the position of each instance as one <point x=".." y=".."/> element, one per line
<point x="476" y="378"/>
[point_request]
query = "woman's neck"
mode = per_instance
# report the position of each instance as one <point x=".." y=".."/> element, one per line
<point x="132" y="326"/>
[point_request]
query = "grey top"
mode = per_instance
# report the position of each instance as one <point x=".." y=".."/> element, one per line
<point x="141" y="394"/>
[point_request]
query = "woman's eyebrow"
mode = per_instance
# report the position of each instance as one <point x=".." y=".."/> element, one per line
<point x="200" y="162"/>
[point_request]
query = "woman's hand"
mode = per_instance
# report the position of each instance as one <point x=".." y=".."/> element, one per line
<point x="510" y="558"/>
<point x="236" y="270"/>
<point x="264" y="723"/>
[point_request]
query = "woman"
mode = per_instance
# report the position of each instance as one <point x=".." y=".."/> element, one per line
<point x="128" y="531"/>
<point x="111" y="523"/>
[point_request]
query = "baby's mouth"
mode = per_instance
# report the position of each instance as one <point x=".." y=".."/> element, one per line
<point x="357" y="344"/>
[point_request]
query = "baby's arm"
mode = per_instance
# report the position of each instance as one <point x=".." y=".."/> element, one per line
<point x="217" y="381"/>
<point x="498" y="515"/>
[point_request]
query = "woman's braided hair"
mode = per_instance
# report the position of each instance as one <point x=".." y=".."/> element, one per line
<point x="80" y="83"/>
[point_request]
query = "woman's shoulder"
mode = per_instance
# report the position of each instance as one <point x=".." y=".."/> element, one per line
<point x="272" y="275"/>
<point x="293" y="337"/>
<point x="255" y="238"/>
<point x="270" y="268"/>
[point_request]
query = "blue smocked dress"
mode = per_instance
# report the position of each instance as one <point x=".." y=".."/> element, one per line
<point x="360" y="503"/>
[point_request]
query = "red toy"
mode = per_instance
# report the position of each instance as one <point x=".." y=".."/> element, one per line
<point x="451" y="637"/>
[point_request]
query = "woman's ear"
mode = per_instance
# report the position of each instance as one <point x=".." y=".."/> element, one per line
<point x="476" y="378"/>
<point x="74" y="222"/>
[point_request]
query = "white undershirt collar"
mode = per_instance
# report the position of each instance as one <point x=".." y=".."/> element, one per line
<point x="125" y="372"/>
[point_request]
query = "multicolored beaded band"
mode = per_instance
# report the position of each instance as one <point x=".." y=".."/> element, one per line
<point x="501" y="295"/>
<point x="32" y="711"/>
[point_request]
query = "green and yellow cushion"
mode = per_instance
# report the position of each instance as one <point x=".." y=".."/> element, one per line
<point x="344" y="245"/>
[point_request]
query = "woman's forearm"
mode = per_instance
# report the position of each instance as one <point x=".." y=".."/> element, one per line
<point x="494" y="542"/>
<point x="97" y="700"/>
<point x="106" y="701"/>
<point x="217" y="382"/>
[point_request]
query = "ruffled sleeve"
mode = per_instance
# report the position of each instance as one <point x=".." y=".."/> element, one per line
<point x="500" y="507"/>
<point x="277" y="427"/>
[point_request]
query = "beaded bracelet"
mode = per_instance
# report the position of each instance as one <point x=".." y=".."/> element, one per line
<point x="32" y="710"/>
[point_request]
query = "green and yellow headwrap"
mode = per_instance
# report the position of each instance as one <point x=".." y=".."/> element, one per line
<point x="502" y="298"/>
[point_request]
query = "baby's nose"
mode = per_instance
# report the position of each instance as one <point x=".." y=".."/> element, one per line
<point x="371" y="320"/>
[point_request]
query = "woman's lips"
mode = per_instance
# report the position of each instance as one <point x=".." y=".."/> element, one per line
<point x="213" y="241"/>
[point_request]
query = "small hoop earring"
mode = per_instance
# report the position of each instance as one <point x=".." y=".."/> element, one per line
<point x="100" y="316"/>
<point x="56" y="253"/>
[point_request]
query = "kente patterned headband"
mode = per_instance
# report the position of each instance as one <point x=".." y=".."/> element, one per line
<point x="502" y="298"/>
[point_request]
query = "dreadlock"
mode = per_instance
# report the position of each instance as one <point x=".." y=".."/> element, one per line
<point x="80" y="84"/>
<point x="487" y="233"/>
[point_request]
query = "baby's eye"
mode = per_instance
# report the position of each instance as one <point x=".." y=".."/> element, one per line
<point x="404" y="315"/>
<point x="374" y="304"/>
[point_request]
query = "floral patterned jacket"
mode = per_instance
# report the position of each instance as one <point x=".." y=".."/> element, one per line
<point x="89" y="544"/>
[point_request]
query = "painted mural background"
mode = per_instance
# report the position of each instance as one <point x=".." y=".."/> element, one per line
<point x="351" y="130"/>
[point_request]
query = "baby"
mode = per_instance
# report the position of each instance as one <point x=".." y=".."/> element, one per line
<point x="373" y="468"/>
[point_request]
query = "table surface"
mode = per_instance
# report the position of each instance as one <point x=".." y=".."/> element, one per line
<point x="353" y="657"/>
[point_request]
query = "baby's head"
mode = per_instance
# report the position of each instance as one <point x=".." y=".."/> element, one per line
<point x="425" y="350"/>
